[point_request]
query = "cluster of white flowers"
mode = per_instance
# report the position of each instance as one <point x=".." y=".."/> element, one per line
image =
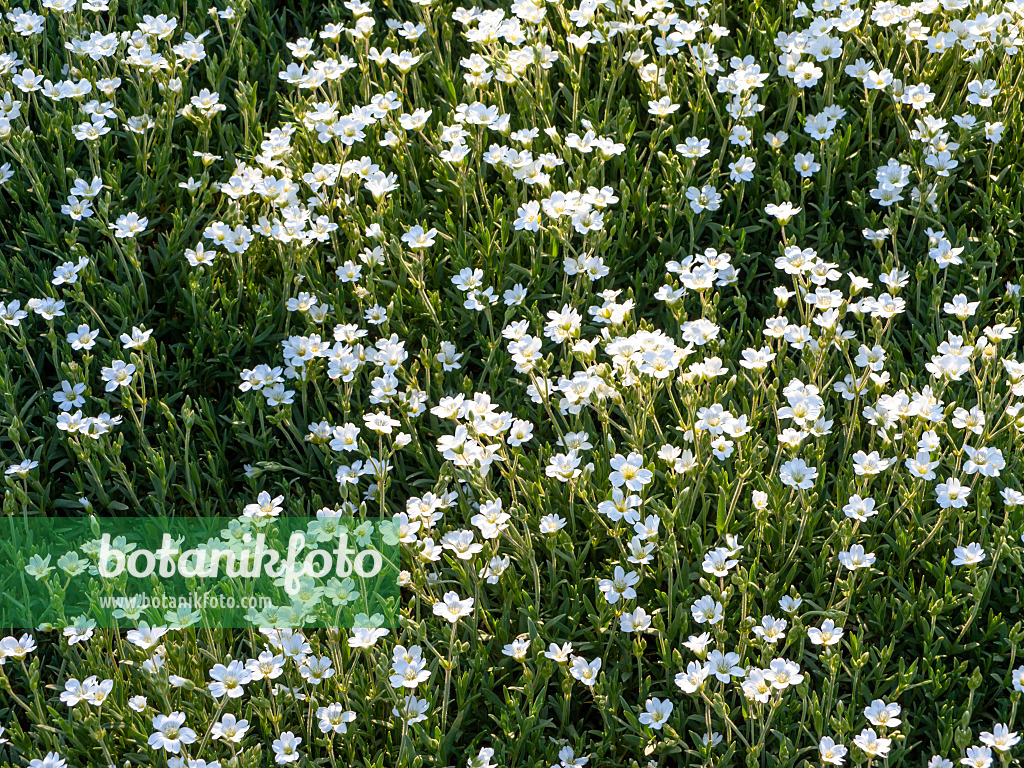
<point x="609" y="394"/>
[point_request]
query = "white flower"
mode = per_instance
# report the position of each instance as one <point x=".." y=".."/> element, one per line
<point x="129" y="225"/>
<point x="828" y="634"/>
<point x="452" y="608"/>
<point x="883" y="715"/>
<point x="119" y="374"/>
<point x="286" y="748"/>
<point x="229" y="680"/>
<point x="334" y="718"/>
<point x="796" y="474"/>
<point x="707" y="610"/>
<point x="620" y="586"/>
<point x="972" y="554"/>
<point x="584" y="671"/>
<point x="831" y="752"/>
<point x="856" y="558"/>
<point x="724" y="666"/>
<point x="1001" y="738"/>
<point x="693" y="678"/>
<point x="628" y="471"/>
<point x="417" y="239"/>
<point x="170" y="732"/>
<point x="657" y="714"/>
<point x="137" y="339"/>
<point x="783" y="212"/>
<point x="977" y="757"/>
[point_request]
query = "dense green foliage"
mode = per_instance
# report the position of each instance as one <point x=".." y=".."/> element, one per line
<point x="641" y="331"/>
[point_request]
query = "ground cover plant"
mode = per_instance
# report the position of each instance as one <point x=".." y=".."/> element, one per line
<point x="679" y="340"/>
